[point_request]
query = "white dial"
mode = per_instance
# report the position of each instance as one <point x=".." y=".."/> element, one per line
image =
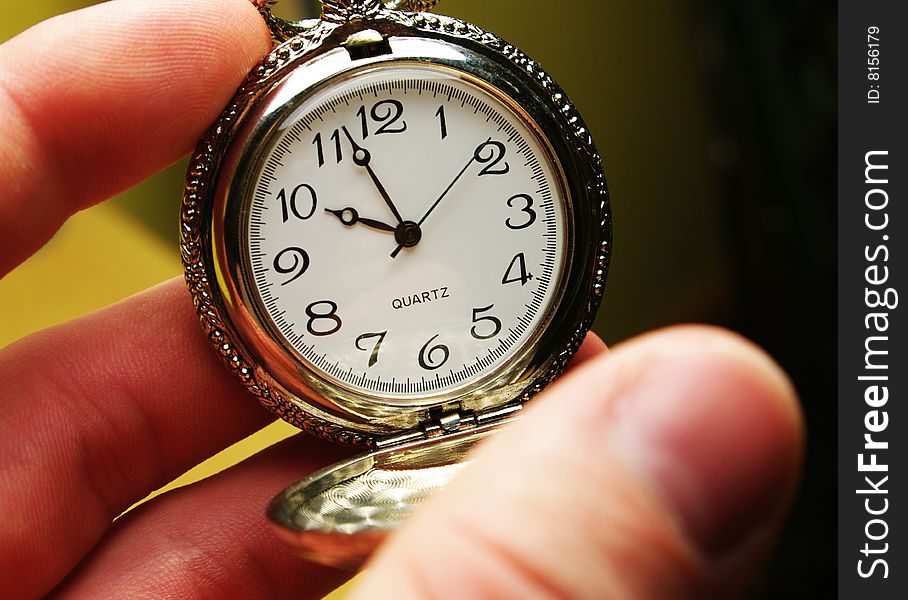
<point x="406" y="233"/>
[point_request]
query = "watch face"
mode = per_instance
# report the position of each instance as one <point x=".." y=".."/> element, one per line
<point x="403" y="232"/>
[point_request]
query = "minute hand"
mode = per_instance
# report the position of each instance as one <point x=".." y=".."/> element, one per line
<point x="437" y="202"/>
<point x="362" y="158"/>
<point x="447" y="189"/>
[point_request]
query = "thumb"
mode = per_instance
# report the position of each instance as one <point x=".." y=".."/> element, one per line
<point x="661" y="470"/>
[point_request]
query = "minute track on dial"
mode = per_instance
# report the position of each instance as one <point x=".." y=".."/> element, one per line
<point x="452" y="287"/>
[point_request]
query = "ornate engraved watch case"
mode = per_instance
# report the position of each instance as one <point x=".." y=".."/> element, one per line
<point x="412" y="339"/>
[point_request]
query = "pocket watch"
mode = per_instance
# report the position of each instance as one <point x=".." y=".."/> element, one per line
<point x="396" y="233"/>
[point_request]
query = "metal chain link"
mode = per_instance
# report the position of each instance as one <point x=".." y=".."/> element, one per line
<point x="407" y="5"/>
<point x="411" y="5"/>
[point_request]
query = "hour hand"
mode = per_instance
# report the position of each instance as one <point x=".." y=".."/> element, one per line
<point x="350" y="217"/>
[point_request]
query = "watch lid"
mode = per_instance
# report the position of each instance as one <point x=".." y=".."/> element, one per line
<point x="337" y="516"/>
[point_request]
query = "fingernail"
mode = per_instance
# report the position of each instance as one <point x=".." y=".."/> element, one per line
<point x="715" y="435"/>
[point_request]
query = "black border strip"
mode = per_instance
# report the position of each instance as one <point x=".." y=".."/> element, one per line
<point x="873" y="362"/>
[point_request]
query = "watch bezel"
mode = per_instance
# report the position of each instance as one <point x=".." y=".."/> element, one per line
<point x="287" y="367"/>
<point x="315" y="57"/>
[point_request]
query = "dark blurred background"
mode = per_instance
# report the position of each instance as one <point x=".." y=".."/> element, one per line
<point x="716" y="123"/>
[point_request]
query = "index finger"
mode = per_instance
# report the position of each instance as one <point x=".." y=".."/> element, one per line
<point x="94" y="101"/>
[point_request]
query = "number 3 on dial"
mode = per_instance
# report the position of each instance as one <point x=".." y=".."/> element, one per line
<point x="527" y="209"/>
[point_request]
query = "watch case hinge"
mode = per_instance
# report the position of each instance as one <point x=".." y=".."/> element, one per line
<point x="447" y="420"/>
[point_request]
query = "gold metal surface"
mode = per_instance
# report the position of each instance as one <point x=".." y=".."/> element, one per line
<point x="340" y="514"/>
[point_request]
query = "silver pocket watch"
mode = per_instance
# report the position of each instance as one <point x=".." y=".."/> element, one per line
<point x="395" y="235"/>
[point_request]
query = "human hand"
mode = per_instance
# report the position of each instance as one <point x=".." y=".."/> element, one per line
<point x="659" y="470"/>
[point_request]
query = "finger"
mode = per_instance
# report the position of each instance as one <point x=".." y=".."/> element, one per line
<point x="210" y="540"/>
<point x="224" y="563"/>
<point x="95" y="415"/>
<point x="657" y="471"/>
<point x="592" y="347"/>
<point x="116" y="92"/>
